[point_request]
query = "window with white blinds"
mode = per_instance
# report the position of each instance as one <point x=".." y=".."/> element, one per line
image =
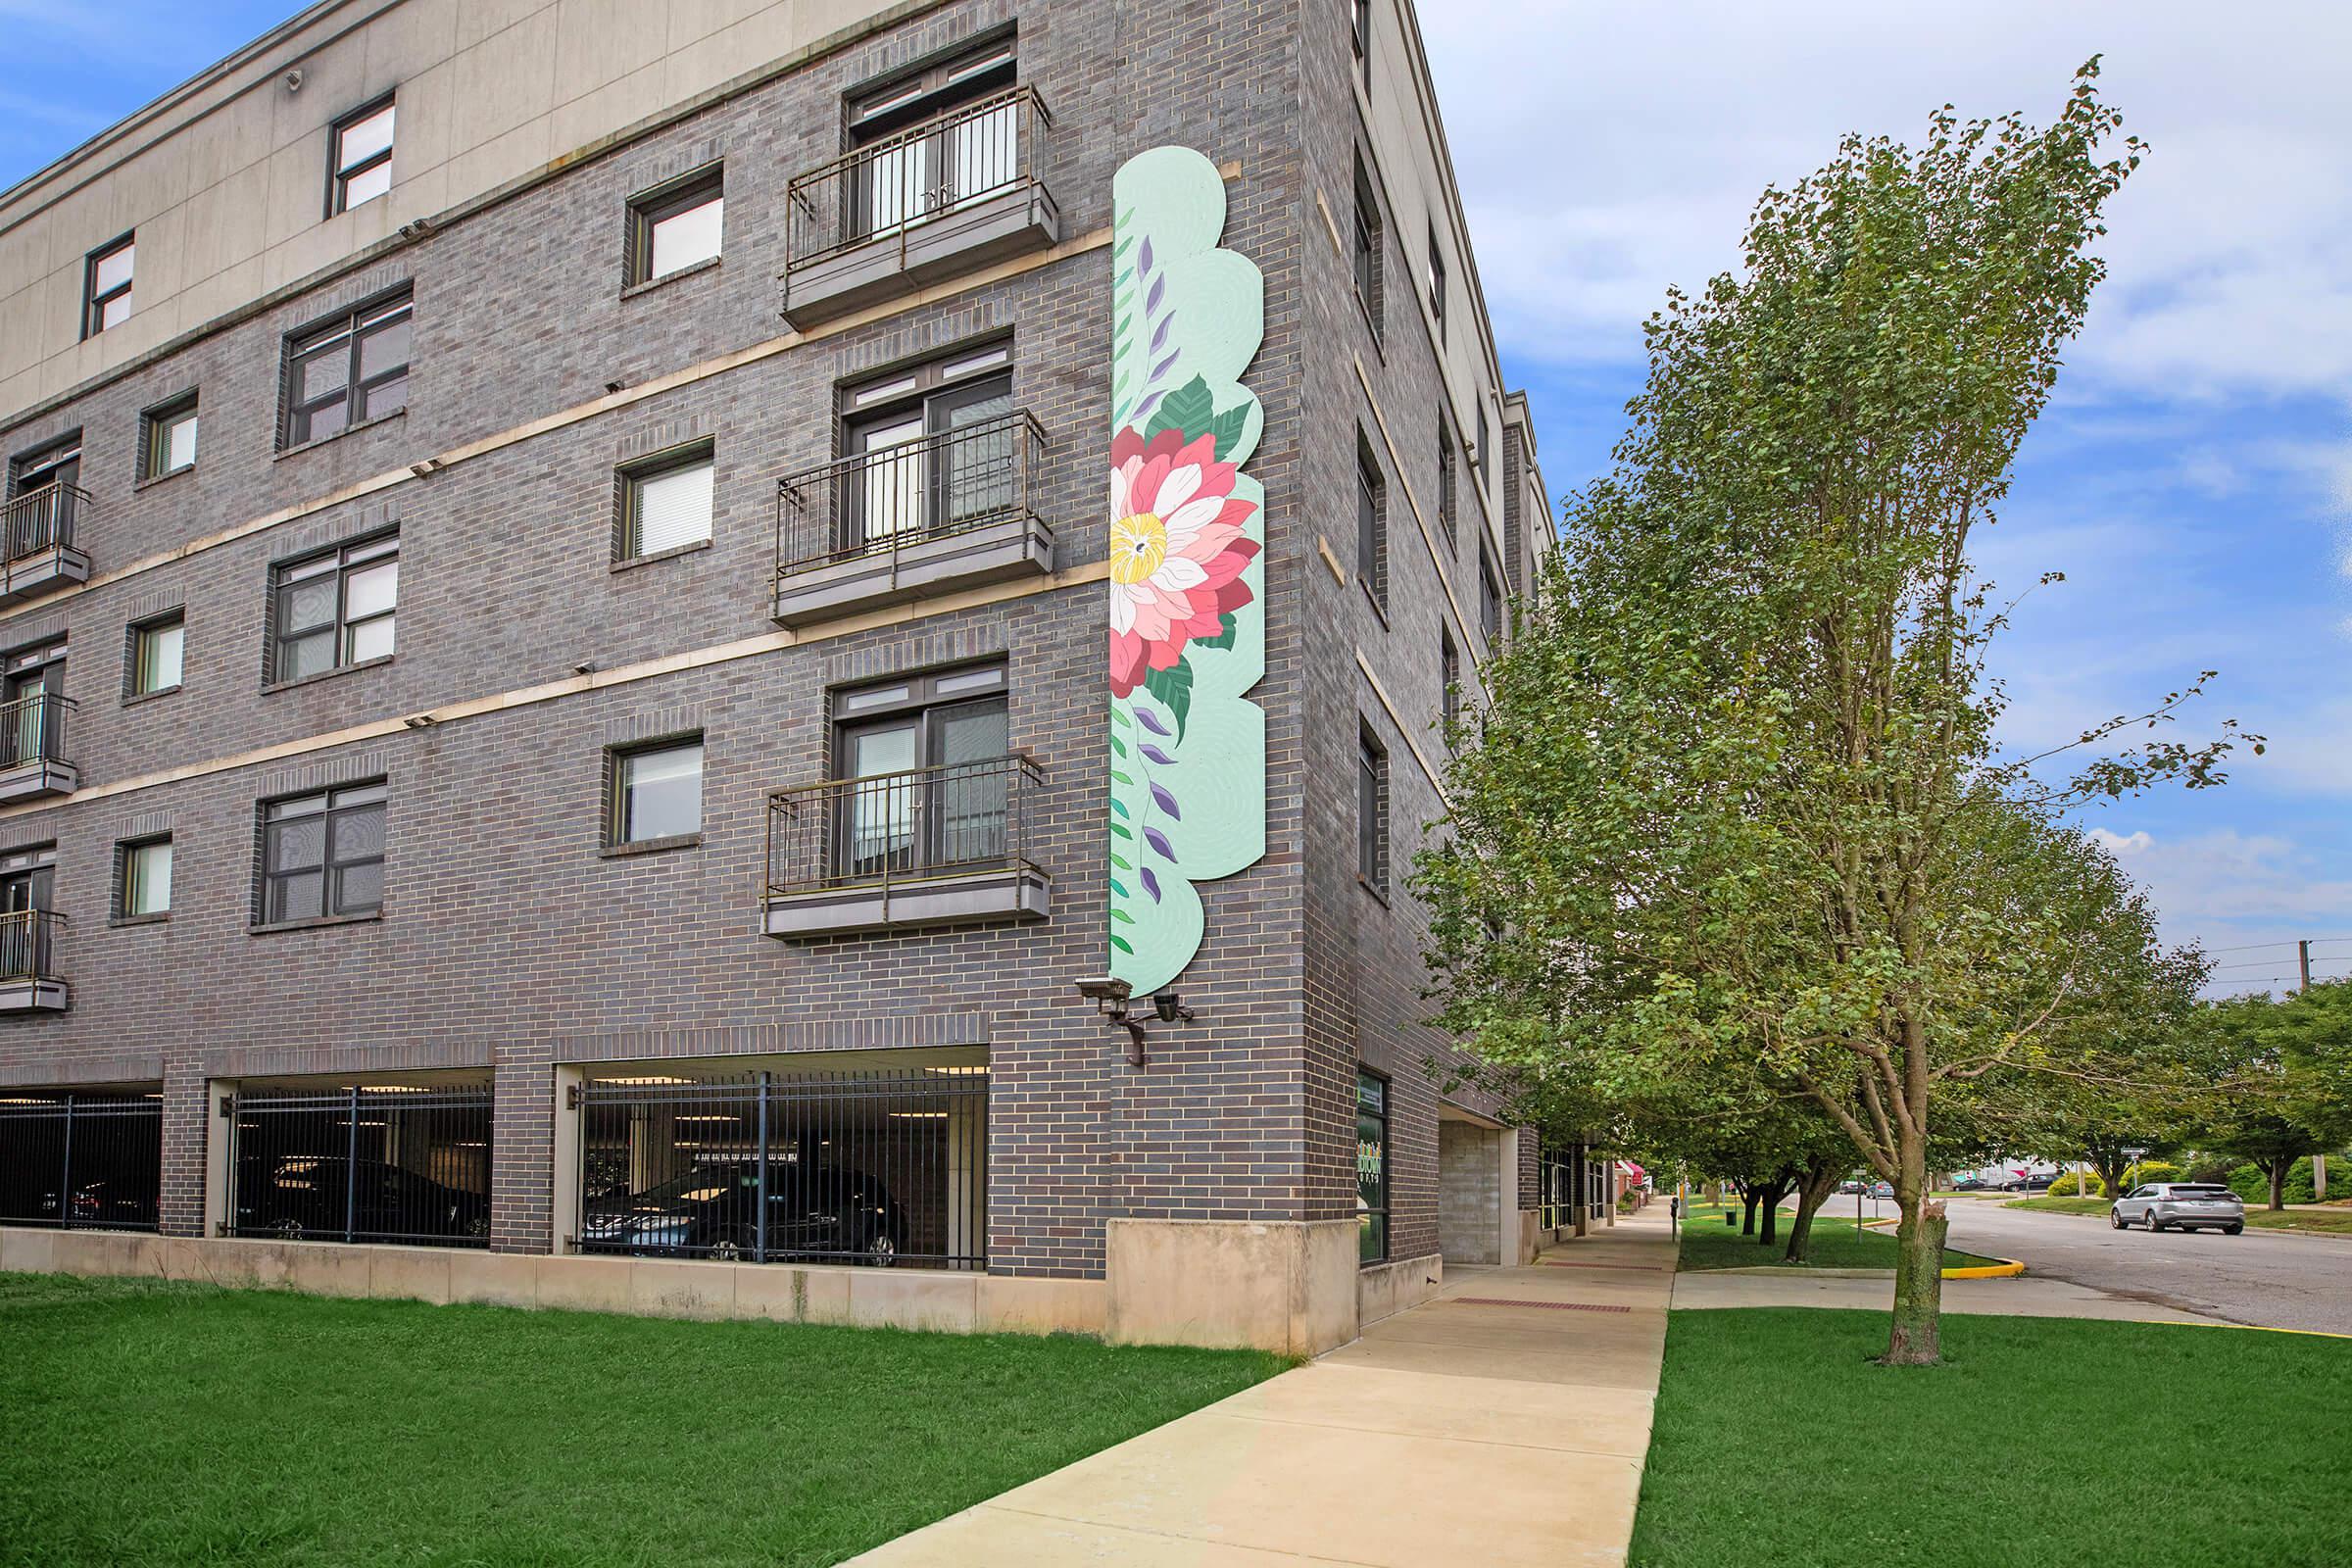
<point x="665" y="507"/>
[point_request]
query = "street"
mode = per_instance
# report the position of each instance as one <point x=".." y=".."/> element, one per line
<point x="2260" y="1277"/>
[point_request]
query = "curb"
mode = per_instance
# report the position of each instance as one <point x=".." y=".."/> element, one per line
<point x="2006" y="1268"/>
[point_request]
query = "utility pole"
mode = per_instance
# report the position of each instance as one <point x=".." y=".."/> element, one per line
<point x="2318" y="1160"/>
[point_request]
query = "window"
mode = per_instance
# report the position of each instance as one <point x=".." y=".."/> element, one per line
<point x="1449" y="676"/>
<point x="909" y="174"/>
<point x="106" y="286"/>
<point x="677" y="225"/>
<point x="155" y="647"/>
<point x="1371" y="1166"/>
<point x="347" y="371"/>
<point x="1490" y="598"/>
<point x="1371" y="523"/>
<point x="322" y="855"/>
<point x="1447" y="487"/>
<point x="657" y="793"/>
<point x="362" y="157"/>
<point x="334" y="609"/>
<point x="666" y="502"/>
<point x="1372" y="814"/>
<point x="1479" y="455"/>
<point x="1437" y="283"/>
<point x="930" y="450"/>
<point x="144" y="882"/>
<point x="1367" y="244"/>
<point x="168" y="437"/>
<point x="926" y="771"/>
<point x="33" y="705"/>
<point x="1359" y="34"/>
<point x="58" y="463"/>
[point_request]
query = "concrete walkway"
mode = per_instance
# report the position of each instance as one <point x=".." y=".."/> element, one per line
<point x="2027" y="1296"/>
<point x="1502" y="1423"/>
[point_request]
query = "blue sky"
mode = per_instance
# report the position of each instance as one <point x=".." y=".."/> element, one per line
<point x="2193" y="480"/>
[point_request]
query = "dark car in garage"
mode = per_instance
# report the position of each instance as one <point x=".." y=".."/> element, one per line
<point x="328" y="1198"/>
<point x="814" y="1214"/>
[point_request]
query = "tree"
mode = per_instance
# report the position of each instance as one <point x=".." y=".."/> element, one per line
<point x="1737" y="795"/>
<point x="2278" y="1073"/>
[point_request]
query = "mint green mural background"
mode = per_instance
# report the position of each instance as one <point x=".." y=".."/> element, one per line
<point x="1188" y="751"/>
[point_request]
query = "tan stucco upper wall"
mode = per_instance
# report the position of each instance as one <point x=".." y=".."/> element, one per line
<point x="1416" y="170"/>
<point x="226" y="183"/>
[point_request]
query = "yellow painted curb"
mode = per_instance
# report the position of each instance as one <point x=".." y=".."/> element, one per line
<point x="2007" y="1268"/>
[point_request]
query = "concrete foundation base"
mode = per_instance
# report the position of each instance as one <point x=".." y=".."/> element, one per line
<point x="1384" y="1290"/>
<point x="1288" y="1286"/>
<point x="896" y="1297"/>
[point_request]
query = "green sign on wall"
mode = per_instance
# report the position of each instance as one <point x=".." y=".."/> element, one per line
<point x="1186" y="594"/>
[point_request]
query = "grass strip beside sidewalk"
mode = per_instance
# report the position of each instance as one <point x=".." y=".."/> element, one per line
<point x="1709" y="1244"/>
<point x="153" y="1423"/>
<point x="1778" y="1443"/>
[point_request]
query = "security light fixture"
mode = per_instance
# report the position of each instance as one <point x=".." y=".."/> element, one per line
<point x="1109" y="996"/>
<point x="1171" y="1008"/>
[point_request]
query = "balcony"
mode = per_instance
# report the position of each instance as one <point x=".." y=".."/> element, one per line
<point x="37" y="529"/>
<point x="935" y="845"/>
<point x="32" y="748"/>
<point x="29" y="977"/>
<point x="911" y="521"/>
<point x="934" y="200"/>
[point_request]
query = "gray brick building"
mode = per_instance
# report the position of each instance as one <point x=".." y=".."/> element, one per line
<point x="557" y="571"/>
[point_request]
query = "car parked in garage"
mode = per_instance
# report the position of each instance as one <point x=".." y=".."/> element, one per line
<point x="822" y="1214"/>
<point x="2180" y="1205"/>
<point x="330" y="1198"/>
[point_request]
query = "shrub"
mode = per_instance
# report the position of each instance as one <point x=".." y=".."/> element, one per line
<point x="2209" y="1168"/>
<point x="2250" y="1184"/>
<point x="2078" y="1184"/>
<point x="2154" y="1170"/>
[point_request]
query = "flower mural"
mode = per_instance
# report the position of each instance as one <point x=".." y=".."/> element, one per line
<point x="1177" y="550"/>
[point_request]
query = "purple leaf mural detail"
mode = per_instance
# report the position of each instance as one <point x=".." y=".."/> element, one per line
<point x="1149" y="720"/>
<point x="1166" y="803"/>
<point x="1155" y="753"/>
<point x="1160" y="843"/>
<point x="1160" y="286"/>
<point x="1142" y="257"/>
<point x="1152" y="884"/>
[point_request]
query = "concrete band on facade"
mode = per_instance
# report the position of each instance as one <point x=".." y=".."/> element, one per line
<point x="1208" y="1197"/>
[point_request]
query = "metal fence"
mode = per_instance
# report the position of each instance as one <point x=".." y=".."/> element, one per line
<point x="900" y="827"/>
<point x="80" y="1162"/>
<point x="884" y="500"/>
<point x="29" y="944"/>
<point x="32" y="729"/>
<point x="874" y="1167"/>
<point x="383" y="1164"/>
<point x="40" y="519"/>
<point x="892" y="187"/>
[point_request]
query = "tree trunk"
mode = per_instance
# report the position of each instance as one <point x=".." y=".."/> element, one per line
<point x="2113" y="1176"/>
<point x="1772" y="1214"/>
<point x="1916" y="1337"/>
<point x="1817" y="1189"/>
<point x="1747" y="1219"/>
<point x="2276" y="1170"/>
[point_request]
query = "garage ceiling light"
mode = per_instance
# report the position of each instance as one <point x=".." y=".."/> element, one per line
<point x="634" y="1081"/>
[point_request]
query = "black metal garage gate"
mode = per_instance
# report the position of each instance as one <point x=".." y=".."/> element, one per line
<point x="404" y="1166"/>
<point x="874" y="1167"/>
<point x="80" y="1162"/>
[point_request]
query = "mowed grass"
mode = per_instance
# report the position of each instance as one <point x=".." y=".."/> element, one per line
<point x="154" y="1423"/>
<point x="1708" y="1243"/>
<point x="2040" y="1441"/>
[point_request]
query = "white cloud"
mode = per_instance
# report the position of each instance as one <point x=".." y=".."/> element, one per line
<point x="2246" y="898"/>
<point x="2231" y="250"/>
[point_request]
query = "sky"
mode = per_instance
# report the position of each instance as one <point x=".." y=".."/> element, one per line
<point x="2192" y="477"/>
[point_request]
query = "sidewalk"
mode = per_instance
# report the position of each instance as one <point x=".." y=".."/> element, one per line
<point x="1503" y="1421"/>
<point x="2027" y="1296"/>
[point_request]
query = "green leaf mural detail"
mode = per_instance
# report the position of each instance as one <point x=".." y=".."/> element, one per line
<point x="1189" y="748"/>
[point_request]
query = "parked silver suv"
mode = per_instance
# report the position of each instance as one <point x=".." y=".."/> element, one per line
<point x="2180" y="1205"/>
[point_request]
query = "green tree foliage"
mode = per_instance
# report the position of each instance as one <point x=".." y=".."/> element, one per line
<point x="1737" y="824"/>
<point x="2277" y="1071"/>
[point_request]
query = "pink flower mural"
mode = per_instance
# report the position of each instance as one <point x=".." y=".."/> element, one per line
<point x="1177" y="551"/>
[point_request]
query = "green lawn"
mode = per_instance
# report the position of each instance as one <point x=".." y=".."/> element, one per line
<point x="142" y="1422"/>
<point x="1708" y="1243"/>
<point x="2060" y="1205"/>
<point x="2040" y="1441"/>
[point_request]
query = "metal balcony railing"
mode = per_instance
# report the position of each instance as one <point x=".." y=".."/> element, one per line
<point x="885" y="501"/>
<point x="891" y="829"/>
<point x="32" y="729"/>
<point x="885" y="190"/>
<point x="40" y="519"/>
<point x="28" y="945"/>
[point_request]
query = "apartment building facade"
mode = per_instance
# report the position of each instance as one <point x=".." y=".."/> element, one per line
<point x="558" y="741"/>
